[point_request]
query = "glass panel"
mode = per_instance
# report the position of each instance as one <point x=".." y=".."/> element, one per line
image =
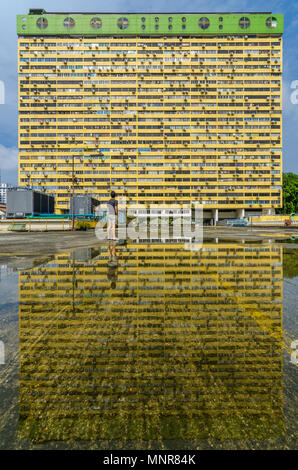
<point x="204" y="22"/>
<point x="42" y="23"/>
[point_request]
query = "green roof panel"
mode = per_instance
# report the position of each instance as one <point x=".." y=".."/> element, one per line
<point x="103" y="24"/>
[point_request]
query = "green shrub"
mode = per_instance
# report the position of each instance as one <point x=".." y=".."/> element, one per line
<point x="82" y="225"/>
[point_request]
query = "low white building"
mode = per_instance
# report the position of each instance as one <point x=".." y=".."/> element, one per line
<point x="3" y="193"/>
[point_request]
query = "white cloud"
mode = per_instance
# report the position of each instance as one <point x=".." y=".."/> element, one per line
<point x="8" y="158"/>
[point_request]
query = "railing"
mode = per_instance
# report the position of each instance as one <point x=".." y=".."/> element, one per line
<point x="277" y="220"/>
<point x="279" y="223"/>
<point x="34" y="225"/>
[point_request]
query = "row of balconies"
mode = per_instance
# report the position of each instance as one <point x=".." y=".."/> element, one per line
<point x="185" y="58"/>
<point x="133" y="47"/>
<point x="109" y="95"/>
<point x="119" y="130"/>
<point x="219" y="116"/>
<point x="158" y="80"/>
<point x="112" y="90"/>
<point x="44" y="68"/>
<point x="175" y="153"/>
<point x="154" y="142"/>
<point x="143" y="176"/>
<point x="199" y="50"/>
<point x="194" y="164"/>
<point x="175" y="189"/>
<point x="155" y="134"/>
<point x="119" y="106"/>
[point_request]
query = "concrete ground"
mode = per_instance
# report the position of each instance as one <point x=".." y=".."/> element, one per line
<point x="21" y="249"/>
<point x="250" y="233"/>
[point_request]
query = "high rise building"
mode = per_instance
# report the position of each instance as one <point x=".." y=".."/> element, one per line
<point x="161" y="107"/>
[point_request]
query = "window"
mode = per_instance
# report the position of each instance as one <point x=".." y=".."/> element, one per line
<point x="183" y="19"/>
<point x="143" y="19"/>
<point x="143" y="26"/>
<point x="122" y="23"/>
<point x="156" y="19"/>
<point x="96" y="23"/>
<point x="69" y="23"/>
<point x="271" y="22"/>
<point x="170" y="19"/>
<point x="204" y="22"/>
<point x="244" y="22"/>
<point x="170" y="26"/>
<point x="156" y="26"/>
<point x="220" y="18"/>
<point x="42" y="23"/>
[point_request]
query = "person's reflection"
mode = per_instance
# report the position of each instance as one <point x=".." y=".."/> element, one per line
<point x="113" y="263"/>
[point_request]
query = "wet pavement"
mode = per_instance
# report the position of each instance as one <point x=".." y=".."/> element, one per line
<point x="148" y="345"/>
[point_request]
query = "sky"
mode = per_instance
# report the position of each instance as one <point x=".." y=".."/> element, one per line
<point x="8" y="59"/>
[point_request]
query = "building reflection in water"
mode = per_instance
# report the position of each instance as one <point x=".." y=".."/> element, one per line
<point x="165" y="344"/>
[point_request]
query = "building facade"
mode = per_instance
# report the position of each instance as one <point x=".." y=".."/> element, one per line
<point x="164" y="108"/>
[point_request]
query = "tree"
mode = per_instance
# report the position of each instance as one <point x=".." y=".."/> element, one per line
<point x="290" y="194"/>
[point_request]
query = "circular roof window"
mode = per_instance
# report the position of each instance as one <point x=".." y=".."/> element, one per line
<point x="204" y="22"/>
<point x="271" y="22"/>
<point x="96" y="23"/>
<point x="42" y="23"/>
<point x="69" y="23"/>
<point x="123" y="23"/>
<point x="244" y="22"/>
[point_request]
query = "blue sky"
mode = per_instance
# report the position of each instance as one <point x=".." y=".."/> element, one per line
<point x="8" y="59"/>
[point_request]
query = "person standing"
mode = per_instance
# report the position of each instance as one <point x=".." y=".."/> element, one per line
<point x="112" y="213"/>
